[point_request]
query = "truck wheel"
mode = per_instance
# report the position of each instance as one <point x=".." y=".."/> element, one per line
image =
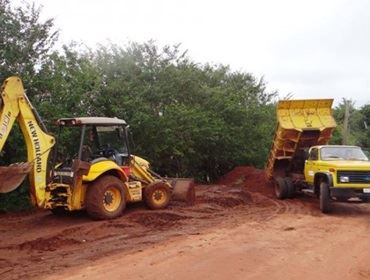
<point x="324" y="198"/>
<point x="290" y="187"/>
<point x="157" y="195"/>
<point x="281" y="189"/>
<point x="105" y="198"/>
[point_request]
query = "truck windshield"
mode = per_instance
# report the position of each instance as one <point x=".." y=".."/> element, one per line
<point x="342" y="153"/>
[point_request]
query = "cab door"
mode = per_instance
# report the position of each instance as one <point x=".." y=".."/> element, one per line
<point x="310" y="166"/>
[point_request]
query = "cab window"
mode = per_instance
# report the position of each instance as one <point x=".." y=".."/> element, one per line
<point x="314" y="154"/>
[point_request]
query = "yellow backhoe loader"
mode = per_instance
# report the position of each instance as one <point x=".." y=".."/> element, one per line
<point x="92" y="169"/>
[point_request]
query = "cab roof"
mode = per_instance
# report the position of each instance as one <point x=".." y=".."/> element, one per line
<point x="90" y="121"/>
<point x="335" y="146"/>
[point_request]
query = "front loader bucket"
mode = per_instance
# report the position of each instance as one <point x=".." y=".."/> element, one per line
<point x="12" y="176"/>
<point x="183" y="190"/>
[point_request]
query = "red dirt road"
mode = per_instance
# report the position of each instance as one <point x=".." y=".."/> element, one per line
<point x="236" y="230"/>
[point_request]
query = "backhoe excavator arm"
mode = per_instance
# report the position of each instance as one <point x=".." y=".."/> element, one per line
<point x="16" y="106"/>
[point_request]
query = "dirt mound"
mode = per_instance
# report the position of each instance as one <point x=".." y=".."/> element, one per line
<point x="224" y="196"/>
<point x="251" y="178"/>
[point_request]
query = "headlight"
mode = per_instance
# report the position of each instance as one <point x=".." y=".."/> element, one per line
<point x="344" y="179"/>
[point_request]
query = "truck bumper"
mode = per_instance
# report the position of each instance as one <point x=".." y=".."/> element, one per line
<point x="350" y="192"/>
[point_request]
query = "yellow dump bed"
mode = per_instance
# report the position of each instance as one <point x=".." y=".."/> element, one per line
<point x="300" y="124"/>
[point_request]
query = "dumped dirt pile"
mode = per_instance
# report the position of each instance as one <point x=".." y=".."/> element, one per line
<point x="253" y="179"/>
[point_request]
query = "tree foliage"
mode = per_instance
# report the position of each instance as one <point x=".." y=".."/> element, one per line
<point x="359" y="124"/>
<point x="25" y="40"/>
<point x="188" y="119"/>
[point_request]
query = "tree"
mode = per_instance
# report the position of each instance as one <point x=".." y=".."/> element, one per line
<point x="25" y="40"/>
<point x="363" y="126"/>
<point x="188" y="119"/>
<point x="67" y="84"/>
<point x="345" y="114"/>
<point x="358" y="129"/>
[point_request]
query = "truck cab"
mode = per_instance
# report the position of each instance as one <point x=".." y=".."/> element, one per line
<point x="344" y="169"/>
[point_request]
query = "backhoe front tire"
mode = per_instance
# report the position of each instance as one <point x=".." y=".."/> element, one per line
<point x="157" y="195"/>
<point x="105" y="198"/>
<point x="281" y="188"/>
<point x="325" y="205"/>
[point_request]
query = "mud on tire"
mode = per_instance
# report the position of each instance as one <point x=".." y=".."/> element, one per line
<point x="105" y="198"/>
<point x="157" y="195"/>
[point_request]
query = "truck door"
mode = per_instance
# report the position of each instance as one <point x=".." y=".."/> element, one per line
<point x="310" y="165"/>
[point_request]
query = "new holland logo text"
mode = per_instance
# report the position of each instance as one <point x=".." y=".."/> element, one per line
<point x="36" y="143"/>
<point x="4" y="125"/>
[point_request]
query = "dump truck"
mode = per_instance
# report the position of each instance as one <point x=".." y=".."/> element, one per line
<point x="300" y="159"/>
<point x="92" y="168"/>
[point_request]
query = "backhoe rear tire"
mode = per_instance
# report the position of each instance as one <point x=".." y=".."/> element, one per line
<point x="325" y="205"/>
<point x="281" y="188"/>
<point x="157" y="195"/>
<point x="105" y="198"/>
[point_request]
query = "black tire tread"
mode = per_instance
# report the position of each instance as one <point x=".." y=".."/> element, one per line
<point x="148" y="191"/>
<point x="95" y="194"/>
<point x="324" y="198"/>
<point x="290" y="187"/>
<point x="281" y="190"/>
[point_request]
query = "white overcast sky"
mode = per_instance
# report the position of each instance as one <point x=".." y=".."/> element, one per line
<point x="311" y="49"/>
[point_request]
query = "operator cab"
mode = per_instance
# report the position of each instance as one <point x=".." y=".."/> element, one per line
<point x="94" y="139"/>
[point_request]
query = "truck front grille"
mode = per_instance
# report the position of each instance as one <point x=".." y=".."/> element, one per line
<point x="354" y="176"/>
